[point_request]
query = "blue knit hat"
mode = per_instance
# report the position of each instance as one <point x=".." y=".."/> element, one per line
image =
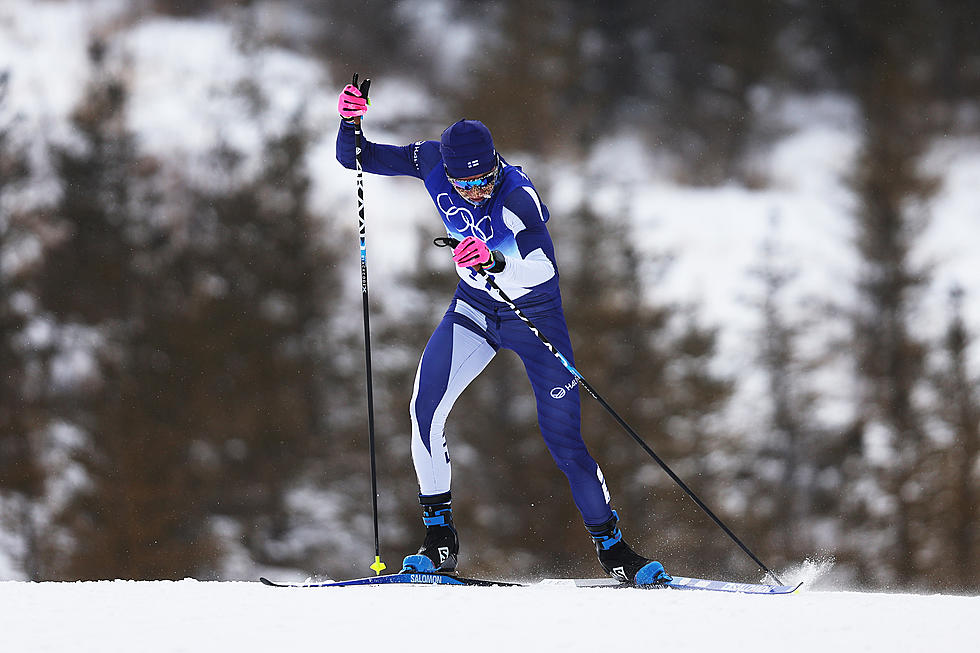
<point x="467" y="149"/>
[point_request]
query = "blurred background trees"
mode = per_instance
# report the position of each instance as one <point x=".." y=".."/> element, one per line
<point x="182" y="383"/>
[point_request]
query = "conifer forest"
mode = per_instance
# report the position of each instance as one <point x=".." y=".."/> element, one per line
<point x="182" y="380"/>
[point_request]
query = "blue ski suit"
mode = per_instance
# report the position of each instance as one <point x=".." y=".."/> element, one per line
<point x="476" y="324"/>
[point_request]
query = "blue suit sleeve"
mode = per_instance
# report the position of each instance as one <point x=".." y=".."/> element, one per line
<point x="415" y="160"/>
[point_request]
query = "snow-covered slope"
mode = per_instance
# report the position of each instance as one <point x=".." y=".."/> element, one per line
<point x="151" y="617"/>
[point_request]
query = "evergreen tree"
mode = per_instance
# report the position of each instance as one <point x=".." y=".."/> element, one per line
<point x="248" y="342"/>
<point x="957" y="510"/>
<point x="134" y="515"/>
<point x="208" y="397"/>
<point x="889" y="356"/>
<point x="788" y="495"/>
<point x="794" y="480"/>
<point x="896" y="61"/>
<point x="21" y="477"/>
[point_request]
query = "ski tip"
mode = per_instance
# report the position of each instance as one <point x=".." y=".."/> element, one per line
<point x="266" y="581"/>
<point x="378" y="566"/>
<point x="785" y="589"/>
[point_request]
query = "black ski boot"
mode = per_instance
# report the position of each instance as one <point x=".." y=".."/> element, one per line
<point x="440" y="549"/>
<point x="620" y="561"/>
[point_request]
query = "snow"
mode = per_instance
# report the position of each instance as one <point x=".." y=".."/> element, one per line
<point x="174" y="60"/>
<point x="188" y="615"/>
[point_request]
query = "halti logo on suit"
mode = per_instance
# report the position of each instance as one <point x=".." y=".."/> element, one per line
<point x="560" y="391"/>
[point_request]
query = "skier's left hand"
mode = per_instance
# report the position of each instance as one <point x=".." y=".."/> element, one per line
<point x="351" y="103"/>
<point x="471" y="252"/>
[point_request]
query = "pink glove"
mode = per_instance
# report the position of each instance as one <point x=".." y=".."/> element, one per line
<point x="351" y="104"/>
<point x="471" y="252"/>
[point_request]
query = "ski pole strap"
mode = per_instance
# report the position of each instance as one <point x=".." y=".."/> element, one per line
<point x="445" y="241"/>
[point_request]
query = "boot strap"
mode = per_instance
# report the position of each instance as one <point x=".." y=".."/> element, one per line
<point x="440" y="518"/>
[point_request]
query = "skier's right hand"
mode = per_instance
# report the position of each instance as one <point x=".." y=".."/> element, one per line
<point x="351" y="104"/>
<point x="471" y="252"/>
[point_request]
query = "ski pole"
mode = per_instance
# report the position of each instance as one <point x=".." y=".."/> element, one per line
<point x="377" y="566"/>
<point x="492" y="285"/>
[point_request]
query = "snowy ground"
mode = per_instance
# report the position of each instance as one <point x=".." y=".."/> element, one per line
<point x="227" y="616"/>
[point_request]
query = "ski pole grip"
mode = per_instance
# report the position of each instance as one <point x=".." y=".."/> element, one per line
<point x="363" y="88"/>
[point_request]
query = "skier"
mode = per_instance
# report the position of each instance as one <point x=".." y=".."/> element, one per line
<point x="494" y="211"/>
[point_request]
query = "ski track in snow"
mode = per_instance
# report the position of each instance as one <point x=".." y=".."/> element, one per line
<point x="188" y="615"/>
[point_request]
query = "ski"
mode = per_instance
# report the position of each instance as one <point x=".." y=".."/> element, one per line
<point x="401" y="579"/>
<point x="678" y="582"/>
<point x="682" y="583"/>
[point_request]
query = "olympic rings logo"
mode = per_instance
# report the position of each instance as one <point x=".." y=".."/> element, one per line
<point x="482" y="228"/>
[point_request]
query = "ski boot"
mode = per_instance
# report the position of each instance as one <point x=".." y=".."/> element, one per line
<point x="620" y="561"/>
<point x="440" y="548"/>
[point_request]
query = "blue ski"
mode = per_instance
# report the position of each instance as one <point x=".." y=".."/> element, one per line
<point x="683" y="583"/>
<point x="400" y="579"/>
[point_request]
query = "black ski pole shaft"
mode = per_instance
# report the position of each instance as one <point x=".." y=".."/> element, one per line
<point x="377" y="566"/>
<point x="491" y="284"/>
